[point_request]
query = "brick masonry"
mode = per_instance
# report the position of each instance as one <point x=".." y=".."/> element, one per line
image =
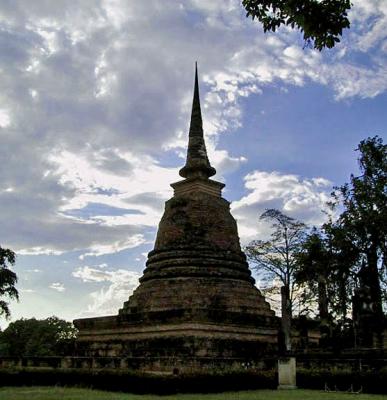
<point x="197" y="297"/>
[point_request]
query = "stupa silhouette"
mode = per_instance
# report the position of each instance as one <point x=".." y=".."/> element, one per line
<point x="197" y="303"/>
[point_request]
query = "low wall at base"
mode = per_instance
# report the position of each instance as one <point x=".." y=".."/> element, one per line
<point x="367" y="373"/>
<point x="141" y="364"/>
<point x="370" y="360"/>
<point x="364" y="360"/>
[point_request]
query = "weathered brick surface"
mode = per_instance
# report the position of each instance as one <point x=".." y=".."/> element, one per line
<point x="196" y="297"/>
<point x="198" y="220"/>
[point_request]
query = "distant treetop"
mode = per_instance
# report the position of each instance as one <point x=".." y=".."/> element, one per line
<point x="321" y="21"/>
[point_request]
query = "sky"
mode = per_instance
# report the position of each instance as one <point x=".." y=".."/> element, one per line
<point x="95" y="99"/>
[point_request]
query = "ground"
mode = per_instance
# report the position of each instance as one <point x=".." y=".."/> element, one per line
<point x="57" y="393"/>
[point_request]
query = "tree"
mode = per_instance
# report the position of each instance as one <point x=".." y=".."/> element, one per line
<point x="8" y="280"/>
<point x="363" y="224"/>
<point x="326" y="264"/>
<point x="344" y="264"/>
<point x="37" y="338"/>
<point x="314" y="267"/>
<point x="344" y="259"/>
<point x="275" y="258"/>
<point x="321" y="21"/>
<point x="364" y="217"/>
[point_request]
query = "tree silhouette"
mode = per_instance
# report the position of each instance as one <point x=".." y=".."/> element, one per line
<point x="8" y="280"/>
<point x="275" y="259"/>
<point x="364" y="217"/>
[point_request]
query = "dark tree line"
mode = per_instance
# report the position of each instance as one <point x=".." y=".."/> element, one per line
<point x="37" y="338"/>
<point x="339" y="268"/>
<point x="29" y="337"/>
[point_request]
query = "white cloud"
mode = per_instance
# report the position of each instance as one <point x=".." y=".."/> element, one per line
<point x="37" y="250"/>
<point x="110" y="298"/>
<point x="89" y="274"/>
<point x="93" y="184"/>
<point x="5" y="119"/>
<point x="351" y="80"/>
<point x="95" y="97"/>
<point x="129" y="243"/>
<point x="57" y="286"/>
<point x="222" y="160"/>
<point x="93" y="94"/>
<point x="371" y="17"/>
<point x="300" y="198"/>
<point x="21" y="290"/>
<point x="82" y="182"/>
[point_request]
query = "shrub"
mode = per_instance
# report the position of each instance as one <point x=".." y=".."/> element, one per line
<point x="368" y="381"/>
<point x="136" y="382"/>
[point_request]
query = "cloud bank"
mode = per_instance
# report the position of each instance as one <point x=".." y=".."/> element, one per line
<point x="95" y="98"/>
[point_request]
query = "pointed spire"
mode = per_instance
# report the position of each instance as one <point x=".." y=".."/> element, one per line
<point x="197" y="163"/>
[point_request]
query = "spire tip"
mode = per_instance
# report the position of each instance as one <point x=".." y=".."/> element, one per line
<point x="197" y="163"/>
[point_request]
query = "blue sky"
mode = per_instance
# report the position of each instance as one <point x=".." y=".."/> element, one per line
<point x="94" y="112"/>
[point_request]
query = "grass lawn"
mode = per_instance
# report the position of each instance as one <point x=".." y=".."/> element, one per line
<point x="58" y="393"/>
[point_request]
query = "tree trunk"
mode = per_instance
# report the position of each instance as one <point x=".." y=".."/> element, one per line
<point x="373" y="280"/>
<point x="343" y="281"/>
<point x="325" y="328"/>
<point x="377" y="320"/>
<point x="286" y="316"/>
<point x="322" y="298"/>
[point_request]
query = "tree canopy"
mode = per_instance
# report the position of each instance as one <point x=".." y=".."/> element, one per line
<point x="321" y="21"/>
<point x="344" y="264"/>
<point x="37" y="338"/>
<point x="341" y="266"/>
<point x="8" y="280"/>
<point x="363" y="220"/>
<point x="275" y="259"/>
<point x="314" y="262"/>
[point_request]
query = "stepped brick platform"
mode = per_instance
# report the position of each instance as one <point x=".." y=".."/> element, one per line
<point x="197" y="297"/>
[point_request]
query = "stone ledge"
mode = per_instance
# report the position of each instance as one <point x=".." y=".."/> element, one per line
<point x="212" y="331"/>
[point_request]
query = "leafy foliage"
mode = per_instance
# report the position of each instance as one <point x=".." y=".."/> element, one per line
<point x="363" y="221"/>
<point x="344" y="258"/>
<point x="275" y="258"/>
<point x="326" y="274"/>
<point x="37" y="338"/>
<point x="344" y="264"/>
<point x="326" y="266"/>
<point x="8" y="280"/>
<point x="314" y="269"/>
<point x="321" y="21"/>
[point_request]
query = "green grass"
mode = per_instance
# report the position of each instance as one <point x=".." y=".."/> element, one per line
<point x="58" y="393"/>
